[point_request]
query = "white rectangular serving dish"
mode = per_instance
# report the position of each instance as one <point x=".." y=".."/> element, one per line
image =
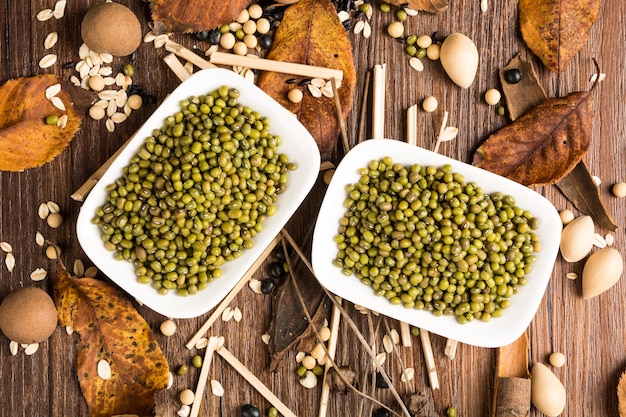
<point x="494" y="333"/>
<point x="297" y="143"/>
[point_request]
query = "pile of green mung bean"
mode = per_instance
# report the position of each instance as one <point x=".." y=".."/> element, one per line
<point x="422" y="237"/>
<point x="195" y="194"/>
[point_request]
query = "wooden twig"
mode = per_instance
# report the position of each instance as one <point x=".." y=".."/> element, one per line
<point x="450" y="350"/>
<point x="188" y="55"/>
<point x="176" y="66"/>
<point x="430" y="359"/>
<point x="342" y="125"/>
<point x="233" y="293"/>
<point x="255" y="382"/>
<point x="363" y="115"/>
<point x="441" y="130"/>
<point x="411" y="125"/>
<point x="332" y="348"/>
<point x="378" y="102"/>
<point x="262" y="64"/>
<point x="214" y="342"/>
<point x="405" y="334"/>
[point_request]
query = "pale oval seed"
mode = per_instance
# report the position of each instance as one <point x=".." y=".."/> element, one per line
<point x="161" y="40"/>
<point x="170" y="380"/>
<point x="53" y="252"/>
<point x="327" y="91"/>
<point x="299" y="356"/>
<point x="110" y="125"/>
<point x="106" y="58"/>
<point x="407" y="375"/>
<point x="237" y="314"/>
<point x="44" y="15"/>
<point x="149" y="37"/>
<point x="74" y="80"/>
<point x="119" y="117"/>
<point x="381" y="358"/>
<point x="120" y="98"/>
<point x="38" y="274"/>
<point x="59" y="9"/>
<point x="416" y="64"/>
<point x="315" y="92"/>
<point x="266" y="338"/>
<point x="358" y="27"/>
<point x="571" y="275"/>
<point x="387" y="344"/>
<point x="14" y="347"/>
<point x="318" y="82"/>
<point x="9" y="261"/>
<point x="91" y="272"/>
<point x="484" y="5"/>
<point x="216" y="388"/>
<point x="96" y="112"/>
<point x="367" y="29"/>
<point x="54" y="220"/>
<point x="184" y="411"/>
<point x="226" y="314"/>
<point x="104" y="369"/>
<point x="6" y="247"/>
<point x="62" y="122"/>
<point x="69" y="330"/>
<point x="598" y="241"/>
<point x="609" y="239"/>
<point x="202" y="343"/>
<point x="31" y="349"/>
<point x="83" y="51"/>
<point x="111" y="108"/>
<point x="47" y="61"/>
<point x="395" y="336"/>
<point x="53" y="90"/>
<point x="58" y="103"/>
<point x="309" y="380"/>
<point x="410" y="12"/>
<point x="50" y="40"/>
<point x="39" y="239"/>
<point x="255" y="286"/>
<point x="79" y="268"/>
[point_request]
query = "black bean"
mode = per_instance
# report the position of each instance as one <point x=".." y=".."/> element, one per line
<point x="513" y="76"/>
<point x="304" y="81"/>
<point x="68" y="65"/>
<point x="203" y="35"/>
<point x="380" y="412"/>
<point x="249" y="410"/>
<point x="214" y="37"/>
<point x="275" y="269"/>
<point x="380" y="381"/>
<point x="279" y="253"/>
<point x="291" y="81"/>
<point x="265" y="41"/>
<point x="268" y="285"/>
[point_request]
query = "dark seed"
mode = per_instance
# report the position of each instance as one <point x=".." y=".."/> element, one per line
<point x="305" y="81"/>
<point x="265" y="41"/>
<point x="380" y="381"/>
<point x="249" y="410"/>
<point x="279" y="253"/>
<point x="68" y="65"/>
<point x="268" y="285"/>
<point x="291" y="81"/>
<point x="513" y="76"/>
<point x="214" y="37"/>
<point x="275" y="269"/>
<point x="202" y="36"/>
<point x="381" y="412"/>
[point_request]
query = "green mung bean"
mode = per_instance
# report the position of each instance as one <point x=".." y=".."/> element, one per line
<point x="195" y="194"/>
<point x="422" y="237"/>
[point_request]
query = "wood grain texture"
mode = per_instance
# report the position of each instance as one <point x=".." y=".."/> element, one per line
<point x="592" y="333"/>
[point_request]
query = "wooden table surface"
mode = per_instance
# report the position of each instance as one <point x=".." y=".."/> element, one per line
<point x="592" y="333"/>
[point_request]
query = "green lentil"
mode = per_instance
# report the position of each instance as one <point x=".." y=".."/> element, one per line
<point x="385" y="7"/>
<point x="272" y="412"/>
<point x="423" y="237"/>
<point x="451" y="412"/>
<point x="196" y="361"/>
<point x="195" y="194"/>
<point x="128" y="70"/>
<point x="181" y="370"/>
<point x="52" y="120"/>
<point x="500" y="110"/>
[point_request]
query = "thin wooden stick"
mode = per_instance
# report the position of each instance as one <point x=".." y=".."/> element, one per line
<point x="450" y="349"/>
<point x="363" y="114"/>
<point x="405" y="334"/>
<point x="342" y="125"/>
<point x="233" y="293"/>
<point x="335" y="318"/>
<point x="188" y="55"/>
<point x="430" y="359"/>
<point x="441" y="130"/>
<point x="262" y="64"/>
<point x="255" y="382"/>
<point x="176" y="66"/>
<point x="214" y="342"/>
<point x="378" y="105"/>
<point x="411" y="125"/>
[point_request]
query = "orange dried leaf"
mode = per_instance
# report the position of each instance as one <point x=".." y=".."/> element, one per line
<point x="311" y="34"/>
<point x="544" y="144"/>
<point x="111" y="329"/>
<point x="555" y="30"/>
<point x="26" y="141"/>
<point x="431" y="6"/>
<point x="194" y="15"/>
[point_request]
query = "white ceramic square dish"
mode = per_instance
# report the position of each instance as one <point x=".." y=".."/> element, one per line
<point x="496" y="332"/>
<point x="297" y="143"/>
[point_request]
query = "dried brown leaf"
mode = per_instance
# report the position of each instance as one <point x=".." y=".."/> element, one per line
<point x="544" y="144"/>
<point x="621" y="395"/>
<point x="112" y="330"/>
<point x="555" y="30"/>
<point x="311" y="34"/>
<point x="194" y="15"/>
<point x="431" y="6"/>
<point x="26" y="141"/>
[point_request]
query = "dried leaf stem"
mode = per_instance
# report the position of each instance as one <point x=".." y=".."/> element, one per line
<point x="217" y="313"/>
<point x="378" y="105"/>
<point x="363" y="115"/>
<point x="263" y="64"/>
<point x="255" y="382"/>
<point x="352" y="325"/>
<point x="342" y="125"/>
<point x="335" y="318"/>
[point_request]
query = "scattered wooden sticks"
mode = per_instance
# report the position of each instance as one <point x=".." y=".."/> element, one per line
<point x="378" y="102"/>
<point x="335" y="318"/>
<point x="214" y="343"/>
<point x="430" y="359"/>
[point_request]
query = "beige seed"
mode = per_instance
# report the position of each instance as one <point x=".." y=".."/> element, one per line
<point x="484" y="5"/>
<point x="62" y="122"/>
<point x="161" y="40"/>
<point x="6" y="247"/>
<point x="9" y="261"/>
<point x="358" y="27"/>
<point x="315" y="92"/>
<point x="328" y="176"/>
<point x="96" y="112"/>
<point x="186" y="396"/>
<point x="299" y="356"/>
<point x="566" y="216"/>
<point x="395" y="29"/>
<point x="249" y="75"/>
<point x="44" y="15"/>
<point x="227" y="41"/>
<point x="31" y="349"/>
<point x="127" y="110"/>
<point x="59" y="9"/>
<point x="430" y="104"/>
<point x="596" y="180"/>
<point x="14" y="347"/>
<point x="83" y="51"/>
<point x="237" y="314"/>
<point x="227" y="314"/>
<point x="318" y="351"/>
<point x="424" y="41"/>
<point x="609" y="239"/>
<point x="251" y="41"/>
<point x="120" y="98"/>
<point x="54" y="220"/>
<point x="96" y="82"/>
<point x="243" y="17"/>
<point x="39" y="239"/>
<point x="327" y="90"/>
<point x="50" y="40"/>
<point x="119" y="79"/>
<point x="416" y="64"/>
<point x="367" y="29"/>
<point x="106" y="71"/>
<point x="211" y="49"/>
<point x="255" y="286"/>
<point x="263" y="26"/>
<point x="249" y="27"/>
<point x="295" y="95"/>
<point x="106" y="58"/>
<point x="170" y="380"/>
<point x="58" y="103"/>
<point x="91" y="272"/>
<point x="492" y="96"/>
<point x="410" y="12"/>
<point x="255" y="11"/>
<point x="240" y="48"/>
<point x="381" y="358"/>
<point x="395" y="336"/>
<point x="104" y="369"/>
<point x="235" y="26"/>
<point x="598" y="241"/>
<point x="387" y="343"/>
<point x="571" y="275"/>
<point x="168" y="327"/>
<point x="74" y="80"/>
<point x="309" y="362"/>
<point x="324" y="334"/>
<point x="149" y="37"/>
<point x="79" y="268"/>
<point x="557" y="359"/>
<point x="202" y="343"/>
<point x="119" y="117"/>
<point x="619" y="189"/>
<point x="53" y="90"/>
<point x="183" y="411"/>
<point x="111" y="108"/>
<point x="309" y="380"/>
<point x="47" y="61"/>
<point x="216" y="388"/>
<point x="53" y="252"/>
<point x="69" y="330"/>
<point x="432" y="52"/>
<point x="266" y="338"/>
<point x="135" y="101"/>
<point x="38" y="274"/>
<point x="407" y="375"/>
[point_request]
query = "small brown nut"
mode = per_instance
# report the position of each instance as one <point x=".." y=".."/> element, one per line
<point x="168" y="327"/>
<point x="96" y="83"/>
<point x="112" y="28"/>
<point x="295" y="95"/>
<point x="97" y="112"/>
<point x="430" y="104"/>
<point x="186" y="396"/>
<point x="492" y="96"/>
<point x="566" y="216"/>
<point x="134" y="102"/>
<point x="53" y="252"/>
<point x="395" y="29"/>
<point x="54" y="220"/>
<point x="619" y="189"/>
<point x="557" y="359"/>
